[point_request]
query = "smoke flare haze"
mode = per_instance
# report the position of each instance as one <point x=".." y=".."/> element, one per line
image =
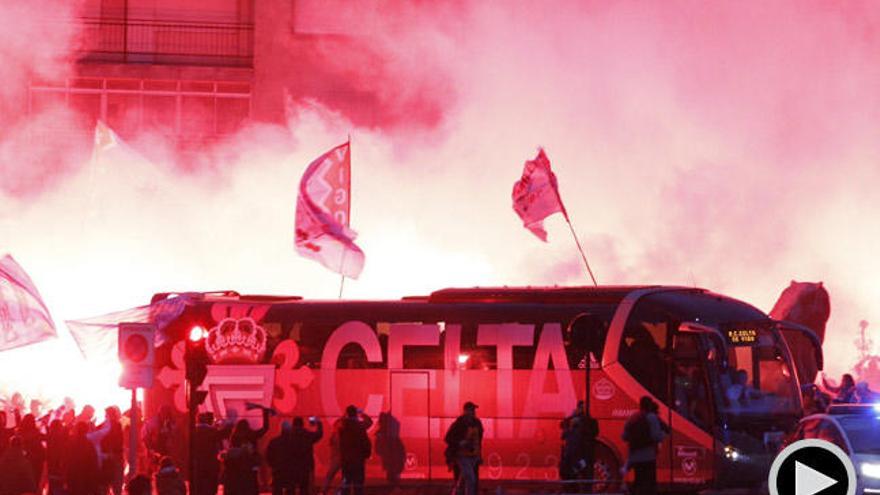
<point x="727" y="145"/>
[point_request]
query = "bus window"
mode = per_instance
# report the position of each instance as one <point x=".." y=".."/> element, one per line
<point x="479" y="357"/>
<point x="689" y="381"/>
<point x="422" y="357"/>
<point x="585" y="335"/>
<point x="643" y="349"/>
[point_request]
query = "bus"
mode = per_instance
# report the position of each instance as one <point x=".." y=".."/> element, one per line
<point x="719" y="369"/>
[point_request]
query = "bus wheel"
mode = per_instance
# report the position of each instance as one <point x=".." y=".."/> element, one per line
<point x="606" y="470"/>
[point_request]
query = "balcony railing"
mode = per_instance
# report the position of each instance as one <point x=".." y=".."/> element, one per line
<point x="164" y="42"/>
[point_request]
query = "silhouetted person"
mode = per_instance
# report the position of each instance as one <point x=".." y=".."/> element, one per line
<point x="579" y="432"/>
<point x="5" y="433"/>
<point x="87" y="415"/>
<point x="642" y="432"/>
<point x="32" y="442"/>
<point x="464" y="441"/>
<point x="241" y="461"/>
<point x="303" y="453"/>
<point x="207" y="444"/>
<point x="16" y="477"/>
<point x="83" y="471"/>
<point x="279" y="459"/>
<point x="168" y="479"/>
<point x="159" y="434"/>
<point x="111" y="450"/>
<point x="389" y="447"/>
<point x="57" y="441"/>
<point x="355" y="449"/>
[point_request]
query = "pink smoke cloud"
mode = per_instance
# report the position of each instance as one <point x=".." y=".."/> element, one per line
<point x="725" y="145"/>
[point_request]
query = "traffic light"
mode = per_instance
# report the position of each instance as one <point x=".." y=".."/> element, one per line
<point x="136" y="354"/>
<point x="197" y="361"/>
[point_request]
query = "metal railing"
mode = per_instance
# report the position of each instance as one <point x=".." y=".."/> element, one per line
<point x="167" y="42"/>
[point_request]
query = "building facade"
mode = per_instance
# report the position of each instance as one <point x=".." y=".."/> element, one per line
<point x="196" y="71"/>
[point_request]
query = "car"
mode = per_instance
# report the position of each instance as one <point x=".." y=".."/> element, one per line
<point x="855" y="428"/>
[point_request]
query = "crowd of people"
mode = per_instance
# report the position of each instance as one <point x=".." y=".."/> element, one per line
<point x="65" y="453"/>
<point x="817" y="399"/>
<point x="61" y="452"/>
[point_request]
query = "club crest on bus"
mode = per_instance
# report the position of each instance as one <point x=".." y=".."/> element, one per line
<point x="603" y="389"/>
<point x="237" y="338"/>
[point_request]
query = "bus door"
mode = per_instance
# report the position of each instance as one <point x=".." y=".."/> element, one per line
<point x="691" y="443"/>
<point x="408" y="425"/>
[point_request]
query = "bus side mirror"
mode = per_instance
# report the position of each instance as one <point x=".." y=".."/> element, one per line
<point x="586" y="333"/>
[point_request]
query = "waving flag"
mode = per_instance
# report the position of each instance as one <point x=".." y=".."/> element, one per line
<point x="97" y="337"/>
<point x="536" y="195"/>
<point x="322" y="214"/>
<point x="24" y="318"/>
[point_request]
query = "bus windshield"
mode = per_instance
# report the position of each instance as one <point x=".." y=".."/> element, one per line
<point x="751" y="376"/>
<point x="757" y="378"/>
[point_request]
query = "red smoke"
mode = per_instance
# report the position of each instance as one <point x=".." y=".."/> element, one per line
<point x="727" y="145"/>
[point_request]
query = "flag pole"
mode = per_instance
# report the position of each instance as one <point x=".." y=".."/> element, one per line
<point x="580" y="250"/>
<point x="342" y="260"/>
<point x="342" y="273"/>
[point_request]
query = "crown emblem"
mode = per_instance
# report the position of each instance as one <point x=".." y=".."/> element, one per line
<point x="236" y="340"/>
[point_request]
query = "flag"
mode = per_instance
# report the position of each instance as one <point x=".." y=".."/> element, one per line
<point x="97" y="337"/>
<point x="322" y="214"/>
<point x="24" y="318"/>
<point x="105" y="140"/>
<point x="536" y="195"/>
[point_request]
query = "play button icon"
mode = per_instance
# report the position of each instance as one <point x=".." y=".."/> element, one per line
<point x="808" y="481"/>
<point x="812" y="467"/>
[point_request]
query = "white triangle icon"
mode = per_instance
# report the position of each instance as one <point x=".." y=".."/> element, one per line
<point x="808" y="481"/>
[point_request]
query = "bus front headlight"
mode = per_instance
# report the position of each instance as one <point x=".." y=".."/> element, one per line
<point x="871" y="470"/>
<point x="732" y="454"/>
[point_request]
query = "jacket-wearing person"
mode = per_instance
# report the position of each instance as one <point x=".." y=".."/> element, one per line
<point x="643" y="432"/>
<point x="464" y="441"/>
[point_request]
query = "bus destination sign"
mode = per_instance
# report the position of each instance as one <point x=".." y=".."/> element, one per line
<point x="742" y="336"/>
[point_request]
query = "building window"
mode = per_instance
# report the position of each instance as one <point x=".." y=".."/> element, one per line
<point x="183" y="110"/>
